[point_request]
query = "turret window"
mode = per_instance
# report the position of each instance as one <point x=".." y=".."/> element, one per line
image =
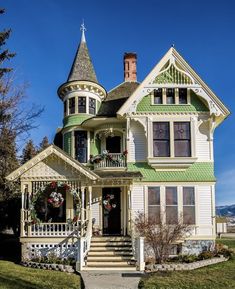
<point x="92" y="105"/>
<point x="72" y="105"/>
<point x="81" y="105"/>
<point x="65" y="107"/>
<point x="81" y="146"/>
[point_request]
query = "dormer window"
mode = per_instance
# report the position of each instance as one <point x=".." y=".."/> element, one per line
<point x="81" y="105"/>
<point x="157" y="96"/>
<point x="72" y="105"/>
<point x="183" y="96"/>
<point x="92" y="105"/>
<point x="170" y="95"/>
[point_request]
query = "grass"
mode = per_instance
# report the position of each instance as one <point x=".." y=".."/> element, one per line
<point x="221" y="276"/>
<point x="14" y="276"/>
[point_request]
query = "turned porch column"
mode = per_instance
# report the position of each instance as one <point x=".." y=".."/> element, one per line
<point x="82" y="209"/>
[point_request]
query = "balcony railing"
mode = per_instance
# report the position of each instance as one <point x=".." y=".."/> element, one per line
<point x="112" y="160"/>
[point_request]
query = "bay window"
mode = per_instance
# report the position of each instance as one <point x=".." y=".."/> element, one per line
<point x="154" y="204"/>
<point x="171" y="205"/>
<point x="188" y="205"/>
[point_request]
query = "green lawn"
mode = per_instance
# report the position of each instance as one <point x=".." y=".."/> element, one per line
<point x="221" y="276"/>
<point x="14" y="276"/>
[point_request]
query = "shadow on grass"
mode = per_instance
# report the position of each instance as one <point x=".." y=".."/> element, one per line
<point x="10" y="248"/>
<point x="9" y="283"/>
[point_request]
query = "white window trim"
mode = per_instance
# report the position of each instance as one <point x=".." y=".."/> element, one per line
<point x="172" y="162"/>
<point x="164" y="100"/>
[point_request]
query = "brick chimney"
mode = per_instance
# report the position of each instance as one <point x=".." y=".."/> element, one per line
<point x="130" y="70"/>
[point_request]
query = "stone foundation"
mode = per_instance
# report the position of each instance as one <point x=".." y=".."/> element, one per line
<point x="195" y="247"/>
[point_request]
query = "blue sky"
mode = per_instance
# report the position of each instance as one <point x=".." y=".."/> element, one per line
<point x="45" y="36"/>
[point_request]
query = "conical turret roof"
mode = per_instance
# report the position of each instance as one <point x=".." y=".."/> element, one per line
<point x="82" y="68"/>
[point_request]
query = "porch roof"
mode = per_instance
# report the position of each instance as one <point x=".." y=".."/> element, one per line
<point x="119" y="174"/>
<point x="52" y="150"/>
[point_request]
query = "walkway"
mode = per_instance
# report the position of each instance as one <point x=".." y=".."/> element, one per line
<point x="110" y="280"/>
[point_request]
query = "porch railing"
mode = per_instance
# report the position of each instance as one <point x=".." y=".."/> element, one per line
<point x="115" y="160"/>
<point x="53" y="229"/>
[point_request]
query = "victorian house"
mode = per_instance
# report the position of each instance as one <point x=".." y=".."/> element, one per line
<point x="141" y="147"/>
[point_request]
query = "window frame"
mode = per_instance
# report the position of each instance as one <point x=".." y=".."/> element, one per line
<point x="83" y="99"/>
<point x="167" y="140"/>
<point x="90" y="101"/>
<point x="172" y="205"/>
<point x="187" y="205"/>
<point x="72" y="107"/>
<point x="189" y="140"/>
<point x="154" y="205"/>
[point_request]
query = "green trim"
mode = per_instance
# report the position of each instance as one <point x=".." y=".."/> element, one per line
<point x="94" y="145"/>
<point x="173" y="75"/>
<point x="75" y="119"/>
<point x="197" y="172"/>
<point x="145" y="105"/>
<point x="67" y="142"/>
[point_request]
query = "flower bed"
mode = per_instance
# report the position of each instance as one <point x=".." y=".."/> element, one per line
<point x="184" y="266"/>
<point x="45" y="266"/>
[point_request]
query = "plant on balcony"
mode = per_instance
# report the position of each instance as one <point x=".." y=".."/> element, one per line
<point x="107" y="156"/>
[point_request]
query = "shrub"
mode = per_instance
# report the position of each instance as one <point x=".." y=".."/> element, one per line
<point x="205" y="255"/>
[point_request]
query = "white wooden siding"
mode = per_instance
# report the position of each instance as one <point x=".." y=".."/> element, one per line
<point x="138" y="142"/>
<point x="137" y="199"/>
<point x="202" y="143"/>
<point x="204" y="205"/>
<point x="96" y="199"/>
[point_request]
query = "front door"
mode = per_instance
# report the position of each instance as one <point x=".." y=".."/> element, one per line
<point x="111" y="211"/>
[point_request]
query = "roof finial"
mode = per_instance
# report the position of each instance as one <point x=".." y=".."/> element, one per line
<point x="173" y="45"/>
<point x="83" y="29"/>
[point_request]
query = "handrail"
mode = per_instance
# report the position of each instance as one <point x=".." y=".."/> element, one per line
<point x="115" y="160"/>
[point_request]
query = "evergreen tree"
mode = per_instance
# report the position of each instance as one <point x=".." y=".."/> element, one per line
<point x="29" y="152"/>
<point x="44" y="144"/>
<point x="17" y="118"/>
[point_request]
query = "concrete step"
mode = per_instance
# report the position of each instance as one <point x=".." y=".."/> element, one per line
<point x="114" y="238"/>
<point x="109" y="264"/>
<point x="108" y="258"/>
<point x="109" y="244"/>
<point x="105" y="249"/>
<point x="110" y="253"/>
<point x="108" y="269"/>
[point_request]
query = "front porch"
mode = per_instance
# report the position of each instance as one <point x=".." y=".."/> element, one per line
<point x="64" y="204"/>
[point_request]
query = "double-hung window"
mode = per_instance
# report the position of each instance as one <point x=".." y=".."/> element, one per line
<point x="92" y="105"/>
<point x="71" y="105"/>
<point x="182" y="139"/>
<point x="171" y="205"/>
<point x="161" y="139"/>
<point x="154" y="204"/>
<point x="82" y="104"/>
<point x="189" y="205"/>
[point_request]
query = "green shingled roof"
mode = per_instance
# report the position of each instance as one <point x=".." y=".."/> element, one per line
<point x="198" y="172"/>
<point x="196" y="105"/>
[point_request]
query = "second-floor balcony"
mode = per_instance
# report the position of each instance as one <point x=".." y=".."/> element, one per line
<point x="109" y="160"/>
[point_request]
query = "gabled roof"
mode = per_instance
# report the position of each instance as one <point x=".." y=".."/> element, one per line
<point x="82" y="68"/>
<point x="157" y="78"/>
<point x="52" y="149"/>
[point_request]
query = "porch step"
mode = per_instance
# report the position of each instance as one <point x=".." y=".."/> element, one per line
<point x="110" y="253"/>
